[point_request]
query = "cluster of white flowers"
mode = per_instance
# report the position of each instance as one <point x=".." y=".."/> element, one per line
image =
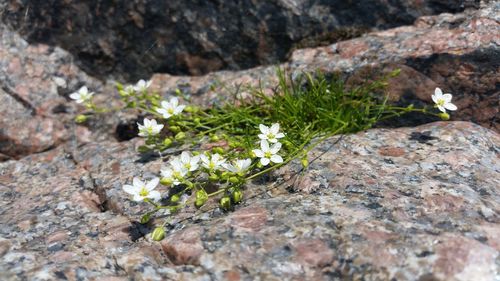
<point x="268" y="153"/>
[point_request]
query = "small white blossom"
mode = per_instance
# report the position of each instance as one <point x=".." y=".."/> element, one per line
<point x="271" y="134"/>
<point x="82" y="95"/>
<point x="239" y="166"/>
<point x="443" y="102"/>
<point x="176" y="173"/>
<point x="213" y="162"/>
<point x="150" y="128"/>
<point x="268" y="154"/>
<point x="188" y="161"/>
<point x="142" y="85"/>
<point x="168" y="109"/>
<point x="143" y="190"/>
<point x="129" y="90"/>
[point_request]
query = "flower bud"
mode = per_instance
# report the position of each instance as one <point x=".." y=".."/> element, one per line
<point x="180" y="136"/>
<point x="304" y="162"/>
<point x="175" y="198"/>
<point x="146" y="218"/>
<point x="80" y="118"/>
<point x="167" y="142"/>
<point x="166" y="181"/>
<point x="214" y="138"/>
<point x="174" y="129"/>
<point x="213" y="177"/>
<point x="225" y="203"/>
<point x="158" y="234"/>
<point x="201" y="198"/>
<point x="444" y="116"/>
<point x="225" y="175"/>
<point x="234" y="180"/>
<point x="218" y="150"/>
<point x="237" y="196"/>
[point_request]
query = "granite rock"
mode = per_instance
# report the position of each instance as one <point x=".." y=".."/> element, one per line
<point x="134" y="39"/>
<point x="458" y="53"/>
<point x="407" y="204"/>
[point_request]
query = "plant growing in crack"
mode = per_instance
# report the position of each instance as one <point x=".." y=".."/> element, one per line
<point x="247" y="137"/>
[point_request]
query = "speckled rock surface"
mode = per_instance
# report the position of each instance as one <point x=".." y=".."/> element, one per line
<point x="420" y="203"/>
<point x="36" y="113"/>
<point x="403" y="204"/>
<point x="458" y="53"/>
<point x="138" y="38"/>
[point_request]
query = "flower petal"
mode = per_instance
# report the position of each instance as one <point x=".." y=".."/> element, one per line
<point x="155" y="195"/>
<point x="264" y="161"/>
<point x="166" y="173"/>
<point x="450" y="106"/>
<point x="442" y="109"/>
<point x="275" y="128"/>
<point x="264" y="145"/>
<point x="130" y="189"/>
<point x="264" y="129"/>
<point x="438" y="92"/>
<point x="276" y="159"/>
<point x="152" y="184"/>
<point x="137" y="183"/>
<point x="280" y="135"/>
<point x="447" y="97"/>
<point x="258" y="152"/>
<point x="185" y="158"/>
<point x="138" y="198"/>
<point x="434" y="99"/>
<point x="275" y="148"/>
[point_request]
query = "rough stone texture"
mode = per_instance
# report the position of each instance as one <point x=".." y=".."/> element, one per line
<point x="459" y="53"/>
<point x="418" y="203"/>
<point x="134" y="39"/>
<point x="36" y="112"/>
<point x="410" y="204"/>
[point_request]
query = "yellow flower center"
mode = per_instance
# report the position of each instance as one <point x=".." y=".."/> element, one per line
<point x="440" y="102"/>
<point x="270" y="136"/>
<point x="268" y="154"/>
<point x="170" y="111"/>
<point x="144" y="192"/>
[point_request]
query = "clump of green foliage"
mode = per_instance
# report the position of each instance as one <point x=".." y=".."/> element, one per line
<point x="287" y="124"/>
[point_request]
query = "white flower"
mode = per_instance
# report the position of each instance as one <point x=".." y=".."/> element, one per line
<point x="187" y="161"/>
<point x="443" y="102"/>
<point x="271" y="134"/>
<point x="170" y="108"/>
<point x="143" y="190"/>
<point x="213" y="163"/>
<point x="150" y="128"/>
<point x="129" y="90"/>
<point x="239" y="166"/>
<point x="142" y="85"/>
<point x="176" y="174"/>
<point x="268" y="154"/>
<point x="82" y="95"/>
